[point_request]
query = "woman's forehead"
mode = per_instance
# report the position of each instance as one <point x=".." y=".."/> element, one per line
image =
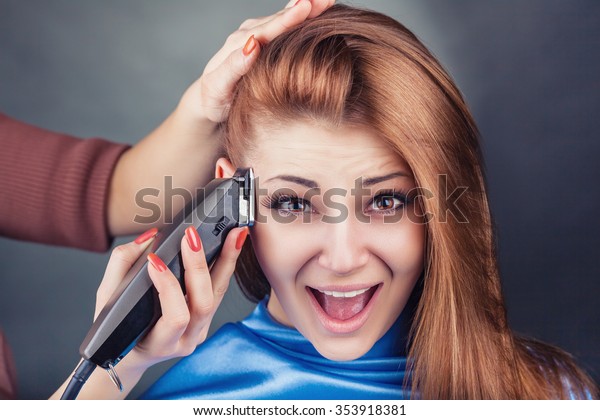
<point x="318" y="149"/>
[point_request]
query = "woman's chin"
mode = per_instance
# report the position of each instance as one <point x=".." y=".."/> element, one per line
<point x="341" y="352"/>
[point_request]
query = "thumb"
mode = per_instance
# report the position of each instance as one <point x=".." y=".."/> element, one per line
<point x="121" y="259"/>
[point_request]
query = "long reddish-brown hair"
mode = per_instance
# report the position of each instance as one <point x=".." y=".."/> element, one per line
<point x="353" y="66"/>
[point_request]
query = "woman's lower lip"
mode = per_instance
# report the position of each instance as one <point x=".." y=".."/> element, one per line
<point x="349" y="325"/>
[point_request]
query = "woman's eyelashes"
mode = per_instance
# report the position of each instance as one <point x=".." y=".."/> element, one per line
<point x="389" y="201"/>
<point x="385" y="202"/>
<point x="287" y="203"/>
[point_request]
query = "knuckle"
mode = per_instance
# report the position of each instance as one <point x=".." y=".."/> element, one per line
<point x="171" y="287"/>
<point x="248" y="23"/>
<point x="197" y="264"/>
<point x="204" y="308"/>
<point x="213" y="96"/>
<point x="230" y="38"/>
<point x="230" y="64"/>
<point x="221" y="290"/>
<point x="120" y="253"/>
<point x="236" y="37"/>
<point x="179" y="322"/>
<point x="186" y="349"/>
<point x="232" y="258"/>
<point x="166" y="352"/>
<point x="201" y="336"/>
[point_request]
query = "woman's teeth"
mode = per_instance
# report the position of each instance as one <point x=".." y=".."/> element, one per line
<point x="343" y="305"/>
<point x="344" y="294"/>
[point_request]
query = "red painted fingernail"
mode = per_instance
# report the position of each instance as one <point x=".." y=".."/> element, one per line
<point x="150" y="233"/>
<point x="157" y="262"/>
<point x="193" y="239"/>
<point x="241" y="239"/>
<point x="250" y="45"/>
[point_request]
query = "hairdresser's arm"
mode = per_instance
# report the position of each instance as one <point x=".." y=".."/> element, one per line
<point x="184" y="322"/>
<point x="187" y="144"/>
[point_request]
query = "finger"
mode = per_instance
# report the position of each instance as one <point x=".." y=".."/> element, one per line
<point x="275" y="24"/>
<point x="199" y="288"/>
<point x="319" y="6"/>
<point x="227" y="66"/>
<point x="197" y="276"/>
<point x="282" y="22"/>
<point x="204" y="307"/>
<point x="224" y="267"/>
<point x="121" y="260"/>
<point x="254" y="22"/>
<point x="175" y="315"/>
<point x="251" y="23"/>
<point x="265" y="28"/>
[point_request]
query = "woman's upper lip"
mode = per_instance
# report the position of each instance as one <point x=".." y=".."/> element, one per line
<point x="344" y="288"/>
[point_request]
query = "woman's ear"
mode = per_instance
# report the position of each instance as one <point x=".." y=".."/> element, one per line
<point x="224" y="168"/>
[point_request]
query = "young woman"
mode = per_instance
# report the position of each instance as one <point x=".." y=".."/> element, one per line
<point x="371" y="282"/>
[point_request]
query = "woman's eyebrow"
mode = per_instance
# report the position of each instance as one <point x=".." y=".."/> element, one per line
<point x="296" y="179"/>
<point x="367" y="182"/>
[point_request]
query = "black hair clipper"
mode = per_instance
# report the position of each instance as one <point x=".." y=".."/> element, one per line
<point x="134" y="307"/>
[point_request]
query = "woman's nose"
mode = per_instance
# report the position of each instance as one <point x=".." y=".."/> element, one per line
<point x="344" y="250"/>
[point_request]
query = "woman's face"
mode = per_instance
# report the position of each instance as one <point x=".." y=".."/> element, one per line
<point x="341" y="262"/>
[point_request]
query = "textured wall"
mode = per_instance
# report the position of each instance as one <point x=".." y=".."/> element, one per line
<point x="115" y="69"/>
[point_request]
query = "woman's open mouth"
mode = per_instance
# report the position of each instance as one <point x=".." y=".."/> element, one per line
<point x="343" y="312"/>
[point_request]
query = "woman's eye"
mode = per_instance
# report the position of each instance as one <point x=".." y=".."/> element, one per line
<point x="287" y="204"/>
<point x="387" y="203"/>
<point x="291" y="205"/>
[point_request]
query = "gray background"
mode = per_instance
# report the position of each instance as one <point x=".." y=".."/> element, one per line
<point x="115" y="69"/>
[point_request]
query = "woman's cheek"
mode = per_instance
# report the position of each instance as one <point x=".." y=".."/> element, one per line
<point x="281" y="248"/>
<point x="400" y="246"/>
<point x="411" y="240"/>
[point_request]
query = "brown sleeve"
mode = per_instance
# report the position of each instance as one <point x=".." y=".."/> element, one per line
<point x="54" y="187"/>
<point x="8" y="376"/>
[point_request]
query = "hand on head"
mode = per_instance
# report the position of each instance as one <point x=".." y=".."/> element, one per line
<point x="187" y="144"/>
<point x="209" y="97"/>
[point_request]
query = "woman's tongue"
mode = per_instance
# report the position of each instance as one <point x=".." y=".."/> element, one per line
<point x="343" y="308"/>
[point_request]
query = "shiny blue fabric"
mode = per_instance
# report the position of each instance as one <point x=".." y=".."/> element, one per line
<point x="259" y="358"/>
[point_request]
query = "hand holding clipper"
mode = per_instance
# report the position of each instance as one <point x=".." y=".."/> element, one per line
<point x="134" y="307"/>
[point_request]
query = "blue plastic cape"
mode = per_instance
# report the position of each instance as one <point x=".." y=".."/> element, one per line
<point x="259" y="358"/>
